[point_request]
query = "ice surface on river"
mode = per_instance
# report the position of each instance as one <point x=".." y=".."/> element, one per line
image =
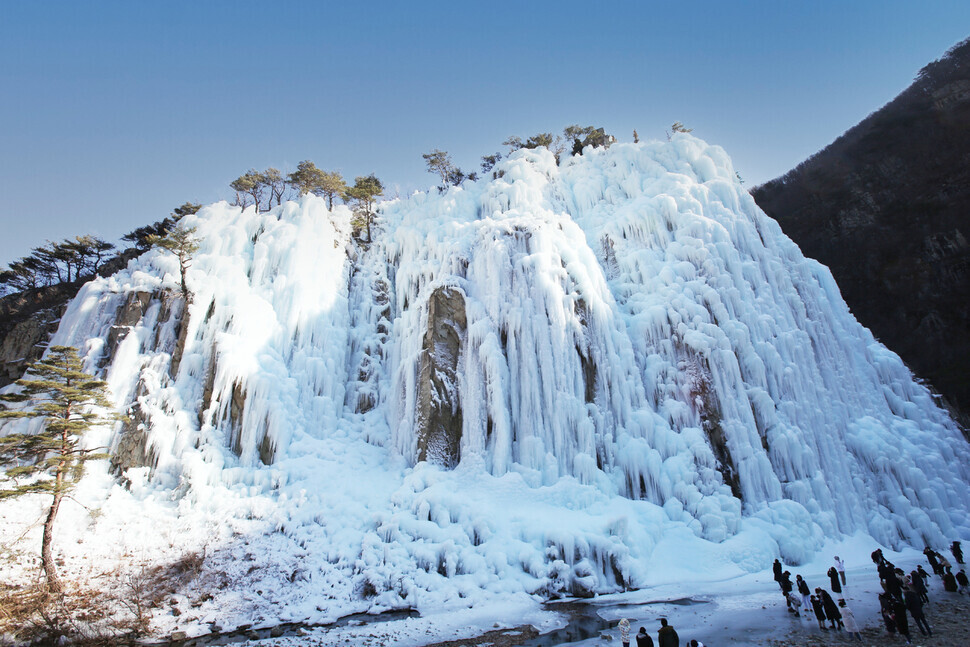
<point x="651" y="375"/>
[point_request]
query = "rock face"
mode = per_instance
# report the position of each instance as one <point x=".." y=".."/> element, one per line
<point x="885" y="208"/>
<point x="29" y="318"/>
<point x="439" y="409"/>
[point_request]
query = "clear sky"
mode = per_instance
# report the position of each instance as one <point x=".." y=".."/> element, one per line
<point x="114" y="113"/>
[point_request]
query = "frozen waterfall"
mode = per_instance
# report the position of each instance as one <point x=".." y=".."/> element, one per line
<point x="541" y="383"/>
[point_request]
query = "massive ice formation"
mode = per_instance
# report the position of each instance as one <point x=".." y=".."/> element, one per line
<point x="548" y="382"/>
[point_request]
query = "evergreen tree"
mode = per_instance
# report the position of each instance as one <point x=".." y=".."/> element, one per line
<point x="142" y="236"/>
<point x="52" y="460"/>
<point x="276" y="185"/>
<point x="181" y="242"/>
<point x="489" y="162"/>
<point x="439" y="163"/>
<point x="363" y="193"/>
<point x="332" y="186"/>
<point x="252" y="183"/>
<point x="307" y="178"/>
<point x="187" y="209"/>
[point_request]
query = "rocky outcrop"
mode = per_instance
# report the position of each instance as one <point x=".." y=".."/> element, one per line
<point x="29" y="318"/>
<point x="25" y="343"/>
<point x="439" y="416"/>
<point x="885" y="208"/>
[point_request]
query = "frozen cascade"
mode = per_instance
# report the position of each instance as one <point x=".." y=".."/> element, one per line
<point x="645" y="362"/>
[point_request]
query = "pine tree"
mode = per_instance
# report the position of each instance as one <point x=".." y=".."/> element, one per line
<point x="307" y="178"/>
<point x="251" y="183"/>
<point x="439" y="163"/>
<point x="52" y="460"/>
<point x="363" y="193"/>
<point x="181" y="242"/>
<point x="332" y="186"/>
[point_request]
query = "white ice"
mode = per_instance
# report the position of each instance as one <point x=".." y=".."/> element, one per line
<point x="623" y="308"/>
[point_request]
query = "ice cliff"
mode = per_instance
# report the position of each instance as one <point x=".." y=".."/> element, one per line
<point x="566" y="379"/>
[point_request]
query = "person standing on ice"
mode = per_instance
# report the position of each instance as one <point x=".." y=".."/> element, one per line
<point x="851" y="625"/>
<point x="786" y="588"/>
<point x="667" y="637"/>
<point x="923" y="574"/>
<point x="644" y="639"/>
<point x="834" y="579"/>
<point x="886" y="609"/>
<point x="957" y="552"/>
<point x="931" y="558"/>
<point x="915" y="606"/>
<point x="918" y="583"/>
<point x="831" y="609"/>
<point x="819" y="611"/>
<point x="902" y="622"/>
<point x="840" y="567"/>
<point x="624" y="632"/>
<point x="776" y="568"/>
<point x="949" y="581"/>
<point x="804" y="591"/>
<point x="962" y="581"/>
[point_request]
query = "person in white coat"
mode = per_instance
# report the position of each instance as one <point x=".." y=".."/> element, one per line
<point x="848" y="618"/>
<point x="624" y="632"/>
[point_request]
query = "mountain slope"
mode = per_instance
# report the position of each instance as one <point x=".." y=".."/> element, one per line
<point x="562" y="381"/>
<point x="885" y="208"/>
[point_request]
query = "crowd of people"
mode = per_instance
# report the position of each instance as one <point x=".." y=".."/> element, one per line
<point x="903" y="597"/>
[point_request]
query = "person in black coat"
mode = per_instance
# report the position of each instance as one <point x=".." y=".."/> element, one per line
<point x="786" y="587"/>
<point x="931" y="557"/>
<point x="644" y="639"/>
<point x="902" y="622"/>
<point x="832" y="613"/>
<point x="886" y="609"/>
<point x="834" y="579"/>
<point x="776" y="568"/>
<point x="667" y="637"/>
<point x="957" y="552"/>
<point x="919" y="585"/>
<point x="804" y="591"/>
<point x="923" y="574"/>
<point x="949" y="581"/>
<point x="892" y="585"/>
<point x="819" y="611"/>
<point x="915" y="607"/>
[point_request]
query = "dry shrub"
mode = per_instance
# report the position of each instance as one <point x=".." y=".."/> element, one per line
<point x="105" y="609"/>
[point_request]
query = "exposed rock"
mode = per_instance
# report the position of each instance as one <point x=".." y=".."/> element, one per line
<point x="885" y="208"/>
<point x="25" y="344"/>
<point x="237" y="405"/>
<point x="29" y="318"/>
<point x="128" y="316"/>
<point x="132" y="449"/>
<point x="439" y="416"/>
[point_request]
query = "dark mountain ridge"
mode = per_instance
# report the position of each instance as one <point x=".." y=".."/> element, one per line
<point x="885" y="207"/>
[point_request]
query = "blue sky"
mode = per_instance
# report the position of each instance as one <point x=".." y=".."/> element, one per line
<point x="114" y="113"/>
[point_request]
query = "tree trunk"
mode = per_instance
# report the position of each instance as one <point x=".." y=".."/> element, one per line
<point x="46" y="552"/>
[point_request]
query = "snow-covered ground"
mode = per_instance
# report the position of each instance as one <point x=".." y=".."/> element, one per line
<point x="657" y="391"/>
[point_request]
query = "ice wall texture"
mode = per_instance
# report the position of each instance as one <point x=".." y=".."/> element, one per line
<point x="644" y="356"/>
